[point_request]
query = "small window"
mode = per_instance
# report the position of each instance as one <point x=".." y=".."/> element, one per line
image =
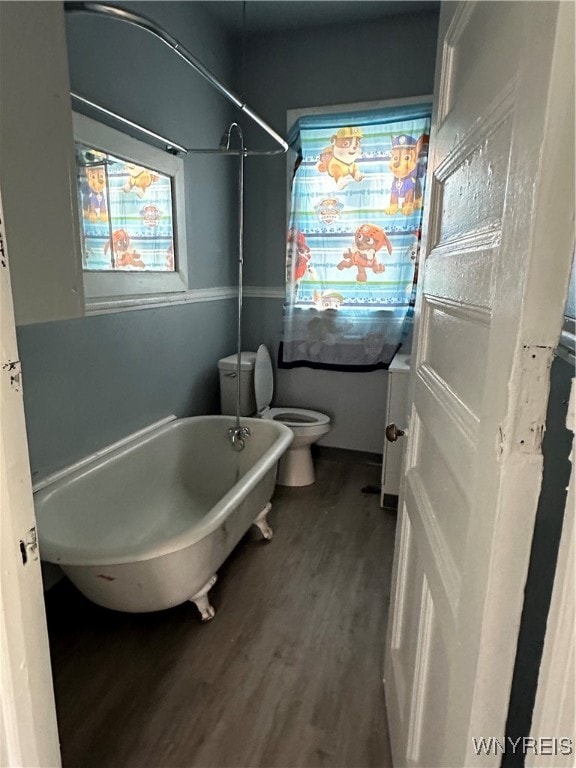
<point x="127" y="220"/>
<point x="131" y="205"/>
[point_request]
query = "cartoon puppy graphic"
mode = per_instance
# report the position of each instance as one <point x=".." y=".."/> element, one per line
<point x="123" y="256"/>
<point x="339" y="159"/>
<point x="139" y="179"/>
<point x="94" y="206"/>
<point x="298" y="246"/>
<point x="369" y="239"/>
<point x="407" y="173"/>
<point x="327" y="300"/>
<point x="119" y="242"/>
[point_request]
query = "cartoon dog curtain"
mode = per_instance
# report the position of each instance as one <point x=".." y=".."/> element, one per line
<point x="353" y="237"/>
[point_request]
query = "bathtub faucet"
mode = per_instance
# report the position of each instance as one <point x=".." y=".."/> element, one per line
<point x="237" y="435"/>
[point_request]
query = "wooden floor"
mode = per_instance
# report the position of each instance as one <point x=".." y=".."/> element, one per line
<point x="287" y="674"/>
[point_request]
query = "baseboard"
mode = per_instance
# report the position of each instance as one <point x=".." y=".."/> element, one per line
<point x="390" y="502"/>
<point x="345" y="454"/>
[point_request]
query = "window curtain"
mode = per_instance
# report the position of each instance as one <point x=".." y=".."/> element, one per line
<point x="127" y="220"/>
<point x="353" y="237"/>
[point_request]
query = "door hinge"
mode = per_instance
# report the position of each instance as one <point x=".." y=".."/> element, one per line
<point x="29" y="546"/>
<point x="14" y="370"/>
<point x="530" y="420"/>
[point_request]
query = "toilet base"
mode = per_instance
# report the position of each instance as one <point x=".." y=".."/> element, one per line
<point x="296" y="468"/>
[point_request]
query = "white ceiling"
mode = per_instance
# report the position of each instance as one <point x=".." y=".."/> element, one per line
<point x="273" y="15"/>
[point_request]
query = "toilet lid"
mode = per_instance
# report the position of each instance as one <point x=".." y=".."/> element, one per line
<point x="263" y="379"/>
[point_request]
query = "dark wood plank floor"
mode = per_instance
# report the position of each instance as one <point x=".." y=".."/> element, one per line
<point x="288" y="673"/>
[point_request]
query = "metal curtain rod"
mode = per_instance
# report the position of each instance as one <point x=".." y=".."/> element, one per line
<point x="148" y="25"/>
<point x="170" y="145"/>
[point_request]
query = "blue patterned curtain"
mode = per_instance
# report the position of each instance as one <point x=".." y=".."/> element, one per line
<point x="353" y="237"/>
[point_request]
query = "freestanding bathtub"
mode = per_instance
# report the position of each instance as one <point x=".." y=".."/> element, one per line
<point x="147" y="525"/>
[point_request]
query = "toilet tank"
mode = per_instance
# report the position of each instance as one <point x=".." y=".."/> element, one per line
<point x="227" y="368"/>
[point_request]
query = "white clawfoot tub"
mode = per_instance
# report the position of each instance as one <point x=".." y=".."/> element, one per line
<point x="147" y="525"/>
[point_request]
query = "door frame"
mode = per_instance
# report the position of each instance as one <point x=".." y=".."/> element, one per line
<point x="28" y="727"/>
<point x="554" y="708"/>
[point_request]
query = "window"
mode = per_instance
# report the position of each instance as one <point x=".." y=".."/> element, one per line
<point x="131" y="205"/>
<point x="353" y="235"/>
<point x="127" y="220"/>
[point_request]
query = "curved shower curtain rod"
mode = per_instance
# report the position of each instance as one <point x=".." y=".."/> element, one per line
<point x="150" y="26"/>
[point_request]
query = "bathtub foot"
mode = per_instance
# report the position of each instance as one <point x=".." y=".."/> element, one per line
<point x="200" y="599"/>
<point x="262" y="523"/>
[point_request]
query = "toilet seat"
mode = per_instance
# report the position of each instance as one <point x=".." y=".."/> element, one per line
<point x="298" y="419"/>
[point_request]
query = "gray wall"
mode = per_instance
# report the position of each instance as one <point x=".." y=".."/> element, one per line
<point x="322" y="66"/>
<point x="91" y="381"/>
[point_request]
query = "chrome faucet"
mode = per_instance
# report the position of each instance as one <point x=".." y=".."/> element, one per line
<point x="237" y="435"/>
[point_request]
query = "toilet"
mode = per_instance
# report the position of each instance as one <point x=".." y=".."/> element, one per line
<point x="256" y="390"/>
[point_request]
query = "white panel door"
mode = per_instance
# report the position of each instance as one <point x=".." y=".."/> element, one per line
<point x="498" y="241"/>
<point x="28" y="729"/>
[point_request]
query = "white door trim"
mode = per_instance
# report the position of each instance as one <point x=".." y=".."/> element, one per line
<point x="28" y="729"/>
<point x="553" y="732"/>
